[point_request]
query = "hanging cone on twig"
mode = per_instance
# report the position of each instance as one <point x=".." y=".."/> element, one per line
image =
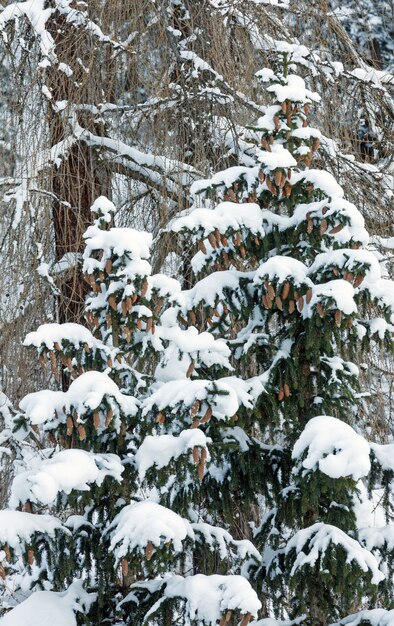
<point x="196" y="455"/>
<point x="149" y="323"/>
<point x="144" y="288"/>
<point x="271" y="292"/>
<point x="359" y="279"/>
<point x="112" y="303"/>
<point x="212" y="240"/>
<point x="96" y="420"/>
<point x="201" y="465"/>
<point x="278" y="302"/>
<point x="323" y="226"/>
<point x="202" y="247"/>
<point x="69" y="425"/>
<point x="336" y="229"/>
<point x="300" y="303"/>
<point x="190" y="369"/>
<point x="55" y="370"/>
<point x="319" y="309"/>
<point x="246" y="619"/>
<point x="195" y="408"/>
<point x="30" y="556"/>
<point x="281" y="394"/>
<point x="109" y="417"/>
<point x="125" y="568"/>
<point x="286" y="390"/>
<point x="159" y="418"/>
<point x="308" y="296"/>
<point x="338" y="317"/>
<point x="127" y="334"/>
<point x="278" y="177"/>
<point x="207" y="416"/>
<point x="81" y="432"/>
<point x="291" y="306"/>
<point x="149" y="551"/>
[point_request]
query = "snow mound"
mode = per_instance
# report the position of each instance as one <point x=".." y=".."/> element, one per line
<point x="160" y="450"/>
<point x="311" y="544"/>
<point x="225" y="216"/>
<point x="146" y="522"/>
<point x="46" y="608"/>
<point x="209" y="597"/>
<point x="294" y="90"/>
<point x="374" y="617"/>
<point x="278" y="157"/>
<point x="18" y="526"/>
<point x="333" y="447"/>
<point x="85" y="394"/>
<point x="65" y="471"/>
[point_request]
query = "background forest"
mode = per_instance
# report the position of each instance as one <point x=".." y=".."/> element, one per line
<point x="136" y="101"/>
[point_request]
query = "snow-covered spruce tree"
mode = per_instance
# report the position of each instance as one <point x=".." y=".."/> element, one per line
<point x="87" y="529"/>
<point x="298" y="297"/>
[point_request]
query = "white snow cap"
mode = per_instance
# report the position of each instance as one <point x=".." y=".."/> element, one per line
<point x="103" y="207"/>
<point x="47" y="608"/>
<point x="65" y="471"/>
<point x="281" y="268"/>
<point x="146" y="522"/>
<point x="375" y="617"/>
<point x="160" y="450"/>
<point x="85" y="393"/>
<point x="278" y="157"/>
<point x="209" y="597"/>
<point x="49" y="334"/>
<point x="333" y="447"/>
<point x="319" y="536"/>
<point x="294" y="90"/>
<point x="18" y="526"/>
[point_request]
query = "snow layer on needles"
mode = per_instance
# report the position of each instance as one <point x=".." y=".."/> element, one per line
<point x="373" y="537"/>
<point x="211" y="288"/>
<point x="226" y="178"/>
<point x="119" y="241"/>
<point x="160" y="450"/>
<point x="43" y="608"/>
<point x="204" y="346"/>
<point x="146" y="522"/>
<point x="282" y="268"/>
<point x="384" y="454"/>
<point x="333" y="447"/>
<point x="294" y="90"/>
<point x="18" y="526"/>
<point x="374" y="617"/>
<point x="49" y="334"/>
<point x="226" y="215"/>
<point x="86" y="393"/>
<point x="209" y="597"/>
<point x="340" y="291"/>
<point x="65" y="471"/>
<point x="224" y="395"/>
<point x="348" y="259"/>
<point x="103" y="207"/>
<point x="47" y="608"/>
<point x="278" y="157"/>
<point x="216" y="536"/>
<point x="311" y="543"/>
